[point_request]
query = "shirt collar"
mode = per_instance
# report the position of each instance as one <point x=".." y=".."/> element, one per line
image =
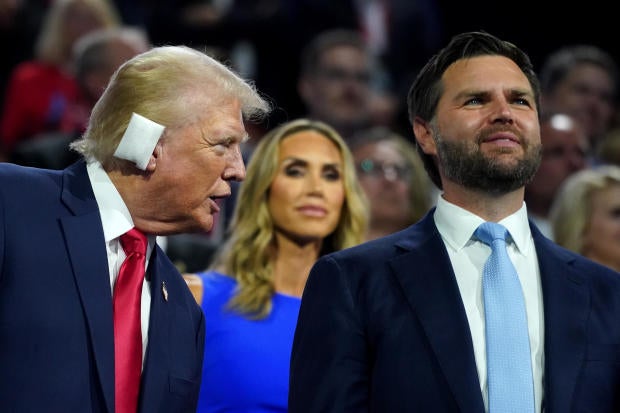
<point x="457" y="225"/>
<point x="115" y="216"/>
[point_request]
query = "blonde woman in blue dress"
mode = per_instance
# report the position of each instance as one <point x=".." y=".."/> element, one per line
<point x="300" y="200"/>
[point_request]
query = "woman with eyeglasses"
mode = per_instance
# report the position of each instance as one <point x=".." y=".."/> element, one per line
<point x="393" y="178"/>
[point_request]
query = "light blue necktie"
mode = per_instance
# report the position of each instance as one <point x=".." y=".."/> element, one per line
<point x="509" y="369"/>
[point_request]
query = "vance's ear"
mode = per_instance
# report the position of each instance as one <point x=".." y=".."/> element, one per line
<point x="424" y="136"/>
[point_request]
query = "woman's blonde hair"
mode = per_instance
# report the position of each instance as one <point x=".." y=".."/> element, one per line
<point x="572" y="208"/>
<point x="247" y="254"/>
<point x="52" y="46"/>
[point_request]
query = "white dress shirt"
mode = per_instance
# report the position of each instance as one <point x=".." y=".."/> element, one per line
<point x="468" y="255"/>
<point x="116" y="220"/>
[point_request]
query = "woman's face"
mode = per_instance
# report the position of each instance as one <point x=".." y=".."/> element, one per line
<point x="307" y="194"/>
<point x="601" y="240"/>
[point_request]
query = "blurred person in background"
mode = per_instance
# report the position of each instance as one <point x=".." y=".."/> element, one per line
<point x="607" y="150"/>
<point x="300" y="200"/>
<point x="581" y="81"/>
<point x="96" y="56"/>
<point x="393" y="178"/>
<point x="20" y="22"/>
<point x="336" y="83"/>
<point x="565" y="149"/>
<point x="41" y="90"/>
<point x="585" y="216"/>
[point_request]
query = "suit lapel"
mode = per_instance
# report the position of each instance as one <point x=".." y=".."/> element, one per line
<point x="161" y="301"/>
<point x="566" y="304"/>
<point x="426" y="276"/>
<point x="429" y="284"/>
<point x="86" y="249"/>
<point x="157" y="351"/>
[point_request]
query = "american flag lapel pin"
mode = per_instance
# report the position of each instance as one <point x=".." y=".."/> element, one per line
<point x="164" y="290"/>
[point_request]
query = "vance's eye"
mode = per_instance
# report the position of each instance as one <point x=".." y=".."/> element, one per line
<point x="522" y="101"/>
<point x="474" y="101"/>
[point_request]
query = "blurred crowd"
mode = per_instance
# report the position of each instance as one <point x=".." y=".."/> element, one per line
<point x="347" y="63"/>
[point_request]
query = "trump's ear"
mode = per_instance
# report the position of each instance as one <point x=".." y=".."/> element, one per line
<point x="424" y="136"/>
<point x="152" y="163"/>
<point x="139" y="140"/>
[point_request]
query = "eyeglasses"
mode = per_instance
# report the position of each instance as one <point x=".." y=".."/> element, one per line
<point x="338" y="74"/>
<point x="389" y="171"/>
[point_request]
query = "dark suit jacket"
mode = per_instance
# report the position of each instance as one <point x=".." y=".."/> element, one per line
<point x="56" y="328"/>
<point x="382" y="328"/>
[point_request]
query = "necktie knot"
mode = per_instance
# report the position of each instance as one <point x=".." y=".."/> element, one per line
<point x="134" y="242"/>
<point x="488" y="232"/>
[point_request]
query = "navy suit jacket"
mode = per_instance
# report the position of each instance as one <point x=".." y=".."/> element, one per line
<point x="56" y="325"/>
<point x="382" y="328"/>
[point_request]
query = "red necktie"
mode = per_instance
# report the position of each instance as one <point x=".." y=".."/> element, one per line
<point x="127" y="331"/>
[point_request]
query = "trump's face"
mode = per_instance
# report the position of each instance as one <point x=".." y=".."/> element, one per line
<point x="195" y="168"/>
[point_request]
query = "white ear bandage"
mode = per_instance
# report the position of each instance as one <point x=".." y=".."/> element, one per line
<point x="139" y="140"/>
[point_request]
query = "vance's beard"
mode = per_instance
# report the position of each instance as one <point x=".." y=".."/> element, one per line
<point x="464" y="163"/>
